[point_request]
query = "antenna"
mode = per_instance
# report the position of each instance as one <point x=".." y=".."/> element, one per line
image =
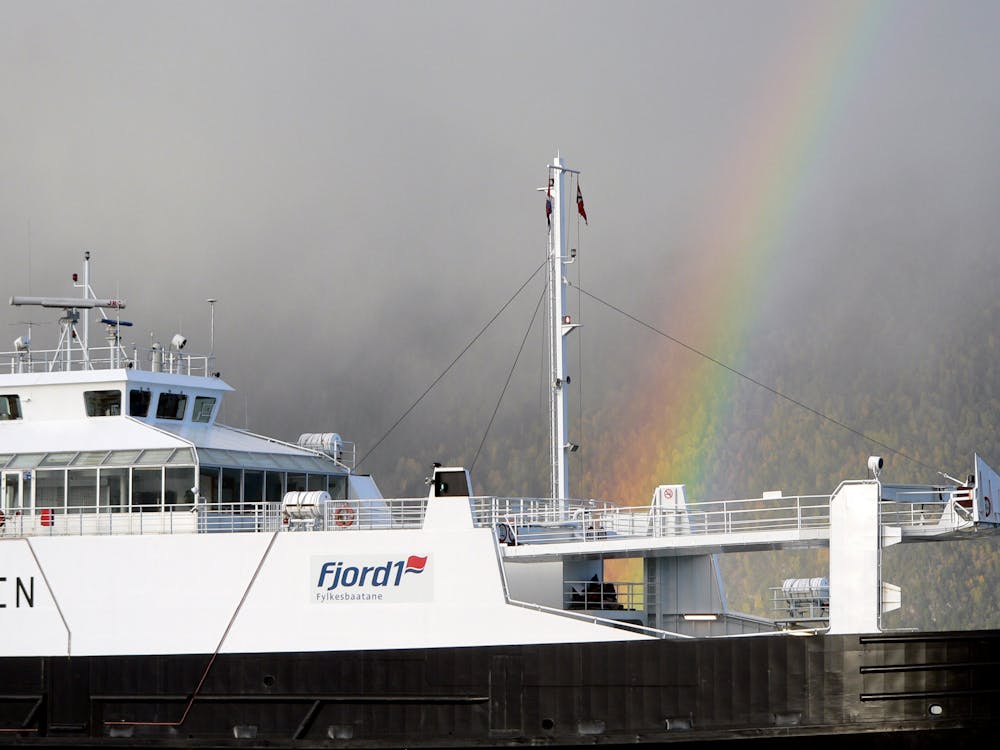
<point x="211" y="346"/>
<point x="71" y="307"/>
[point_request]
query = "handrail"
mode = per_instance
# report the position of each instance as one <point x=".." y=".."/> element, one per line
<point x="107" y="358"/>
<point x="543" y="520"/>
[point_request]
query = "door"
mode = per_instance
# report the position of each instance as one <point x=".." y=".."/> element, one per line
<point x="11" y="503"/>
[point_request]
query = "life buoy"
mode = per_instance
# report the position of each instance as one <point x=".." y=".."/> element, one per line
<point x="3" y="519"/>
<point x="344" y="515"/>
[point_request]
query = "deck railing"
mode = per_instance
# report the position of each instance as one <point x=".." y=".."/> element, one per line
<point x="604" y="595"/>
<point x="516" y="520"/>
<point x="214" y="518"/>
<point x="943" y="515"/>
<point x="107" y="358"/>
<point x="544" y="520"/>
<point x="185" y="519"/>
<point x="361" y="515"/>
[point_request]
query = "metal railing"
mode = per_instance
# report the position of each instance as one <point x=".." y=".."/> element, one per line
<point x="214" y="518"/>
<point x="944" y="515"/>
<point x="809" y="603"/>
<point x="358" y="515"/>
<point x="150" y="519"/>
<point x="606" y="595"/>
<point x="543" y="520"/>
<point x="107" y="358"/>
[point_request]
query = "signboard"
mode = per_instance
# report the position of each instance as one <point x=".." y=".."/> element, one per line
<point x="388" y="579"/>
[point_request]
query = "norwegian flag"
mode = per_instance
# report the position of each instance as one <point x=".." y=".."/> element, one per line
<point x="579" y="205"/>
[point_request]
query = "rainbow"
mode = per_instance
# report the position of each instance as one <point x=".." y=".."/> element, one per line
<point x="674" y="430"/>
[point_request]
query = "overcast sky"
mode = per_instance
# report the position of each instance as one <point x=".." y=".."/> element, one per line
<point x="355" y="181"/>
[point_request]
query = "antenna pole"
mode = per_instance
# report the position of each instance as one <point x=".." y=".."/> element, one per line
<point x="211" y="331"/>
<point x="86" y="295"/>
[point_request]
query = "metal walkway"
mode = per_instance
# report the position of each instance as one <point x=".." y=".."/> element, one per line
<point x="541" y="529"/>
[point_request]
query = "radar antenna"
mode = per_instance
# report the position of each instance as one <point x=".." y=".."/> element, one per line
<point x="70" y="334"/>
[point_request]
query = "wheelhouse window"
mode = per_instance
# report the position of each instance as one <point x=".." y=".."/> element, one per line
<point x="203" y="406"/>
<point x="138" y="402"/>
<point x="171" y="406"/>
<point x="103" y="403"/>
<point x="10" y="407"/>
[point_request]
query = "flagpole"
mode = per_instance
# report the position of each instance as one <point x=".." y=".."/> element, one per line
<point x="559" y="326"/>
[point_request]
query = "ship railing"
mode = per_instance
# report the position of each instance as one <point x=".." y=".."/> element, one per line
<point x="489" y="511"/>
<point x="108" y="358"/>
<point x="800" y="605"/>
<point x="929" y="514"/>
<point x="608" y="596"/>
<point x="146" y="519"/>
<point x="363" y="515"/>
<point x="541" y="521"/>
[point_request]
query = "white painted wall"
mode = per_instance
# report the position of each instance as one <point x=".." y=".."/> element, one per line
<point x="178" y="594"/>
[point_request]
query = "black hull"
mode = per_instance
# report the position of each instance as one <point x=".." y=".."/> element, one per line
<point x="875" y="691"/>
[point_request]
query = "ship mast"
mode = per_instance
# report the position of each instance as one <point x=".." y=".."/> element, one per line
<point x="559" y="326"/>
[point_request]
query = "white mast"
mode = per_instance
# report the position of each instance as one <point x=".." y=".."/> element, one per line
<point x="559" y="327"/>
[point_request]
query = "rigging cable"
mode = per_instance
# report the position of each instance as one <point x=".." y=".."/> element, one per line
<point x="509" y="376"/>
<point x="756" y="382"/>
<point x="453" y="363"/>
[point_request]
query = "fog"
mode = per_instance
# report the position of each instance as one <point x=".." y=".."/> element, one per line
<point x="355" y="183"/>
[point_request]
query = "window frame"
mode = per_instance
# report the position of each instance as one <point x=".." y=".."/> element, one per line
<point x="133" y="408"/>
<point x="181" y="402"/>
<point x="14" y="411"/>
<point x="198" y="412"/>
<point x="96" y="402"/>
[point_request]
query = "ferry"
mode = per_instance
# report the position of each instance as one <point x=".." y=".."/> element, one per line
<point x="168" y="580"/>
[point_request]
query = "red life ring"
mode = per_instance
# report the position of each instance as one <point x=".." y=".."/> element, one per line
<point x="3" y="519"/>
<point x="344" y="515"/>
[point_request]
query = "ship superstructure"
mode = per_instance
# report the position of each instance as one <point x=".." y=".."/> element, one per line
<point x="166" y="578"/>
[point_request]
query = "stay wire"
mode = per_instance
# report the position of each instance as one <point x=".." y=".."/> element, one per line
<point x="756" y="382"/>
<point x="510" y="374"/>
<point x="468" y="346"/>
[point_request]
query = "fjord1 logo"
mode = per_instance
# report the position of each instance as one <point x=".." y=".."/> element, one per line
<point x="372" y="578"/>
